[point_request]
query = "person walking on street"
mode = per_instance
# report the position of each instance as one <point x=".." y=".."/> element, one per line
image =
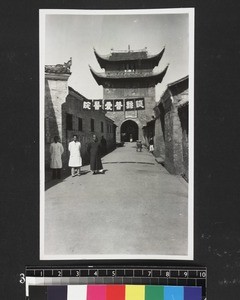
<point x="56" y="151"/>
<point x="75" y="160"/>
<point x="95" y="150"/>
<point x="151" y="143"/>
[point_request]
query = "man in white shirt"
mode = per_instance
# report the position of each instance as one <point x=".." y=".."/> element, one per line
<point x="75" y="160"/>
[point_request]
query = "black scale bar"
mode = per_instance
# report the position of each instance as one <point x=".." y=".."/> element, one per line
<point x="182" y="276"/>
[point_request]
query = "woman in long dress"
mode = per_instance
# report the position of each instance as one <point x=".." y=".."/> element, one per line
<point x="56" y="151"/>
<point x="75" y="160"/>
<point x="95" y="150"/>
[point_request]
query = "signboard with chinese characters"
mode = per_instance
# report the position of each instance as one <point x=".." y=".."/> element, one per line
<point x="130" y="104"/>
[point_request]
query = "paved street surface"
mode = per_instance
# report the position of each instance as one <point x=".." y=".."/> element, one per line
<point x="137" y="207"/>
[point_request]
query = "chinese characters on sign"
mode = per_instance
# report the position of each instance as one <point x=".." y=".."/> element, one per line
<point x="97" y="104"/>
<point x="130" y="104"/>
<point x="140" y="103"/>
<point x="87" y="105"/>
<point x="115" y="105"/>
<point x="118" y="105"/>
<point x="108" y="105"/>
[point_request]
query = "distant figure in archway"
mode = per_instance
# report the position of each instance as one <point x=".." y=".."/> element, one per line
<point x="129" y="131"/>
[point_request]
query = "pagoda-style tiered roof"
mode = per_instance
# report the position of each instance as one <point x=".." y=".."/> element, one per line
<point x="148" y="78"/>
<point x="139" y="58"/>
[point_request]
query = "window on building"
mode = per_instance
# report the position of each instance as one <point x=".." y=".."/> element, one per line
<point x="69" y="122"/>
<point x="102" y="129"/>
<point x="79" y="124"/>
<point x="92" y="125"/>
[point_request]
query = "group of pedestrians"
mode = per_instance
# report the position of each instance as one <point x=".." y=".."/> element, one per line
<point x="95" y="150"/>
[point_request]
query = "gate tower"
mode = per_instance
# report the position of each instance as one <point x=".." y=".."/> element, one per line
<point x="129" y="74"/>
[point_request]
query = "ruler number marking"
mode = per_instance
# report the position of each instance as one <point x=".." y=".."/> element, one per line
<point x="202" y="274"/>
<point x="22" y="279"/>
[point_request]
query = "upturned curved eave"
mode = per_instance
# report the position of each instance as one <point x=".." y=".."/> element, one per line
<point x="105" y="60"/>
<point x="96" y="76"/>
<point x="101" y="78"/>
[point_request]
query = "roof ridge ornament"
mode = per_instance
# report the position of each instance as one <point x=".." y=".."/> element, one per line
<point x="59" y="68"/>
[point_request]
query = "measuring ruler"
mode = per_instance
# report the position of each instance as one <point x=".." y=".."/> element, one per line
<point x="117" y="275"/>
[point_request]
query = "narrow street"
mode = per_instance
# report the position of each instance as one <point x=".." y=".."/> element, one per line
<point x="135" y="208"/>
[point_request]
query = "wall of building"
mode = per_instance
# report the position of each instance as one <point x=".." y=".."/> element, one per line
<point x="173" y="142"/>
<point x="149" y="132"/>
<point x="61" y="100"/>
<point x="169" y="150"/>
<point x="171" y="129"/>
<point x="56" y="90"/>
<point x="173" y="136"/>
<point x="73" y="106"/>
<point x="159" y="138"/>
<point x="141" y="117"/>
<point x="183" y="115"/>
<point x="159" y="143"/>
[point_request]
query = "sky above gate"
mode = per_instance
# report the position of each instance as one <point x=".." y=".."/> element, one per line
<point x="75" y="34"/>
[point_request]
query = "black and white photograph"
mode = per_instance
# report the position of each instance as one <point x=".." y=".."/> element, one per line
<point x="116" y="134"/>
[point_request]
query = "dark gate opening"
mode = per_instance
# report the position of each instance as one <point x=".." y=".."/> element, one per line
<point x="129" y="129"/>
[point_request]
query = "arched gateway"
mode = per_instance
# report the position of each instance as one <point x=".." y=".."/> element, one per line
<point x="129" y="129"/>
<point x="129" y="88"/>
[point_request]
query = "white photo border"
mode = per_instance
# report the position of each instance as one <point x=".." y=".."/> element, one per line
<point x="42" y="17"/>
